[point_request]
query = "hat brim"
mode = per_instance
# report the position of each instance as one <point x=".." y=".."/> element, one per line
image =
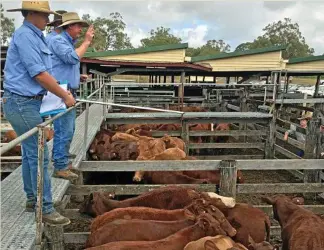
<point x="53" y="22"/>
<point x="34" y="9"/>
<point x="305" y="118"/>
<point x="84" y="23"/>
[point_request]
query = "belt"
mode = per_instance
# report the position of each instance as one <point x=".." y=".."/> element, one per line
<point x="35" y="97"/>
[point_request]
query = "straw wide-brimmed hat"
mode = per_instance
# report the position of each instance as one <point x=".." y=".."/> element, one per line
<point x="57" y="17"/>
<point x="71" y="18"/>
<point x="307" y="116"/>
<point x="39" y="6"/>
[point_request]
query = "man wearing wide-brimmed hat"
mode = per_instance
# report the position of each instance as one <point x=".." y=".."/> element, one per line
<point x="66" y="68"/>
<point x="57" y="21"/>
<point x="27" y="78"/>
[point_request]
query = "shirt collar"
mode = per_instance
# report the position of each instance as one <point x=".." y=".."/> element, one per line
<point x="33" y="28"/>
<point x="53" y="32"/>
<point x="69" y="38"/>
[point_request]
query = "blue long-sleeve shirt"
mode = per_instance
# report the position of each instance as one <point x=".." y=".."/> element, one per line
<point x="27" y="57"/>
<point x="66" y="62"/>
<point x="50" y="35"/>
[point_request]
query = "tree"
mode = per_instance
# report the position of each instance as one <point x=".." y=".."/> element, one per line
<point x="7" y="27"/>
<point x="281" y="33"/>
<point x="210" y="48"/>
<point x="160" y="36"/>
<point x="109" y="33"/>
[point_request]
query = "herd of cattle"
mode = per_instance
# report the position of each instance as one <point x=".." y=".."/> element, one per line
<point x="135" y="142"/>
<point x="182" y="218"/>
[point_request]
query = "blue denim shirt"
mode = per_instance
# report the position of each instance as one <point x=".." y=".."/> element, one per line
<point x="27" y="57"/>
<point x="50" y="35"/>
<point x="66" y="62"/>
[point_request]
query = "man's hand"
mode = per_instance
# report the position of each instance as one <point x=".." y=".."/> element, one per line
<point x="90" y="34"/>
<point x="322" y="128"/>
<point x="83" y="77"/>
<point x="69" y="99"/>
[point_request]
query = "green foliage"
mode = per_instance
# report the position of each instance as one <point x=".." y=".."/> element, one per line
<point x="160" y="36"/>
<point x="210" y="48"/>
<point x="109" y="33"/>
<point x="7" y="27"/>
<point x="281" y="33"/>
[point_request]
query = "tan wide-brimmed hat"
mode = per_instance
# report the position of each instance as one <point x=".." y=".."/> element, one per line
<point x="39" y="6"/>
<point x="307" y="116"/>
<point x="57" y="17"/>
<point x="71" y="18"/>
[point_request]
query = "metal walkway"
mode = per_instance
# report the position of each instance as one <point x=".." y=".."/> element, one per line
<point x="18" y="228"/>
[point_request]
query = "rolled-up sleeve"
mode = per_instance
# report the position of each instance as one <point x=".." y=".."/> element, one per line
<point x="64" y="51"/>
<point x="30" y="54"/>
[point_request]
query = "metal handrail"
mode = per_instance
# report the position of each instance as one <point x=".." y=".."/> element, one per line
<point x="34" y="130"/>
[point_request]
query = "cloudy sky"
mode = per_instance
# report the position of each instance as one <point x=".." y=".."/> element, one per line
<point x="235" y="21"/>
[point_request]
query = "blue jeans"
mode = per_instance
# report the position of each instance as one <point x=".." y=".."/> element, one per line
<point x="64" y="128"/>
<point x="23" y="115"/>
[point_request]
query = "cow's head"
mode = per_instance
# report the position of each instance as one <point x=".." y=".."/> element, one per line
<point x="282" y="205"/>
<point x="213" y="226"/>
<point x="218" y="215"/>
<point x="90" y="204"/>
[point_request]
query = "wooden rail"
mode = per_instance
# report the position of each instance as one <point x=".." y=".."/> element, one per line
<point x="227" y="169"/>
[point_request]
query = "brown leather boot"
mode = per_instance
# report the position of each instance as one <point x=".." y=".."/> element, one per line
<point x="65" y="174"/>
<point x="55" y="218"/>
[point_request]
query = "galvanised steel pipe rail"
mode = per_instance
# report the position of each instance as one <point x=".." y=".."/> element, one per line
<point x="33" y="131"/>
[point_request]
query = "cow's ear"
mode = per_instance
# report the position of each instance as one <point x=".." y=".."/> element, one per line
<point x="210" y="245"/>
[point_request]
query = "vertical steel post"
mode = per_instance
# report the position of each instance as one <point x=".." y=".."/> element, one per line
<point x="86" y="119"/>
<point x="40" y="186"/>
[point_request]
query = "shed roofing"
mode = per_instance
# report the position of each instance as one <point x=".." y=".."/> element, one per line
<point x="237" y="53"/>
<point x="137" y="51"/>
<point x="305" y="59"/>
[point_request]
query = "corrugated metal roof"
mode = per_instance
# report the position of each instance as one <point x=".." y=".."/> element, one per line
<point x="137" y="51"/>
<point x="305" y="59"/>
<point x="237" y="53"/>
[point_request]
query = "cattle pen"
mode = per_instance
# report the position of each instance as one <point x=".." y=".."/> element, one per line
<point x="258" y="118"/>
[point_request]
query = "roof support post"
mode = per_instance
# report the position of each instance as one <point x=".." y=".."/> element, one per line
<point x="182" y="79"/>
<point x="318" y="81"/>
